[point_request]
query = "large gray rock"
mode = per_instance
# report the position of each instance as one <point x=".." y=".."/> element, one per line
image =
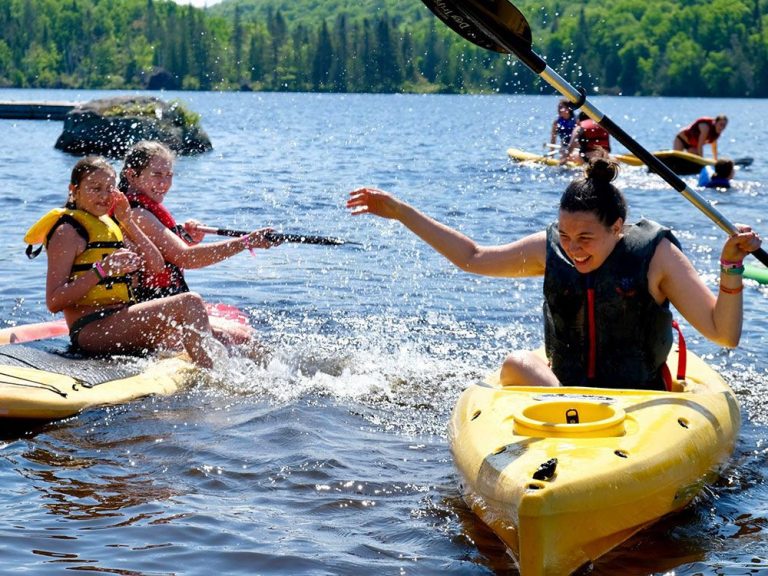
<point x="110" y="126"/>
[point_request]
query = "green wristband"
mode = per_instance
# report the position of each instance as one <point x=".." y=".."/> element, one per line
<point x="732" y="271"/>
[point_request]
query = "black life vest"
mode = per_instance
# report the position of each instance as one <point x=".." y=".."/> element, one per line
<point x="604" y="328"/>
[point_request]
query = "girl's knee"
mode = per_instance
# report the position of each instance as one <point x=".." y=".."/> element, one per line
<point x="192" y="299"/>
<point x="524" y="368"/>
<point x="190" y="304"/>
<point x="512" y="369"/>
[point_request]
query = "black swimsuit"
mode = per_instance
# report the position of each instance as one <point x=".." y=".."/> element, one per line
<point x="686" y="145"/>
<point x="83" y="321"/>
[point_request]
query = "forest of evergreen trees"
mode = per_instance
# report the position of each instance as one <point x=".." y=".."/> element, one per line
<point x="632" y="47"/>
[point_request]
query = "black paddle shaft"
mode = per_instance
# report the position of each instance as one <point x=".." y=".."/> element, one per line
<point x="281" y="237"/>
<point x="499" y="26"/>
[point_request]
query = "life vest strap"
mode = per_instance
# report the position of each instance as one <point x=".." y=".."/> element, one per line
<point x="682" y="359"/>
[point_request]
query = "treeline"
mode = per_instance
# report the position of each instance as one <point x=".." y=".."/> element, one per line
<point x="633" y="47"/>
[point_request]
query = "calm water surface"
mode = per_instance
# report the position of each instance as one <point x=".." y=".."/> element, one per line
<point x="332" y="458"/>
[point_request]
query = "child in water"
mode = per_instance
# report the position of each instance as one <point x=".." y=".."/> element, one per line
<point x="718" y="176"/>
<point x="92" y="259"/>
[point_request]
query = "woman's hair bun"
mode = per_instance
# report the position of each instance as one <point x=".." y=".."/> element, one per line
<point x="602" y="170"/>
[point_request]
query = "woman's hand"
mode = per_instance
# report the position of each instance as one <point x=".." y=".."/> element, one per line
<point x="740" y="244"/>
<point x="373" y="201"/>
<point x="120" y="262"/>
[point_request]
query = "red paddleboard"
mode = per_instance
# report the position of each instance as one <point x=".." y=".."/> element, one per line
<point x="224" y="316"/>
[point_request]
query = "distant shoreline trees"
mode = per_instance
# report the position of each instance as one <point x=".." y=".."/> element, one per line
<point x="636" y="47"/>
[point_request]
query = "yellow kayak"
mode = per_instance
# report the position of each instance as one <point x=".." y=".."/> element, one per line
<point x="563" y="475"/>
<point x="551" y="160"/>
<point x="40" y="385"/>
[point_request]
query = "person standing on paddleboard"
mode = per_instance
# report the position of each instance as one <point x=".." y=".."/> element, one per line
<point x="92" y="258"/>
<point x="607" y="284"/>
<point x="704" y="130"/>
<point x="145" y="179"/>
<point x="562" y="127"/>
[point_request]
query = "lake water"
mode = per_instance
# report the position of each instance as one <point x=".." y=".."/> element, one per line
<point x="333" y="458"/>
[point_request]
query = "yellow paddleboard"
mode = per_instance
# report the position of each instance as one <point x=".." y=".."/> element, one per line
<point x="563" y="475"/>
<point x="40" y="385"/>
<point x="523" y="156"/>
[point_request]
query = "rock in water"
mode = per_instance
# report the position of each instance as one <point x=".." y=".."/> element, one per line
<point x="110" y="126"/>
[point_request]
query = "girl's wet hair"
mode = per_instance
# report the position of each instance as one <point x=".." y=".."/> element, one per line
<point x="724" y="168"/>
<point x="85" y="167"/>
<point x="89" y="165"/>
<point x="595" y="193"/>
<point x="139" y="157"/>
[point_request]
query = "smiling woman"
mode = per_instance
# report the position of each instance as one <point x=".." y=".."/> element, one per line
<point x="607" y="285"/>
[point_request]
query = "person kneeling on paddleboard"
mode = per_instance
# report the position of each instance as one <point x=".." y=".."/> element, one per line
<point x="146" y="178"/>
<point x="591" y="140"/>
<point x="704" y="130"/>
<point x="607" y="284"/>
<point x="92" y="258"/>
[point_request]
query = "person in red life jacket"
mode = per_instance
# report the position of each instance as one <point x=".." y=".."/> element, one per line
<point x="91" y="257"/>
<point x="591" y="139"/>
<point x="704" y="130"/>
<point x="146" y="178"/>
<point x="608" y="285"/>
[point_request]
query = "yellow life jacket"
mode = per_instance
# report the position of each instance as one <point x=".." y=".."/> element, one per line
<point x="102" y="236"/>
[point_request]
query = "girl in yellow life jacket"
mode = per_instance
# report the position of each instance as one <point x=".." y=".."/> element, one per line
<point x="90" y="258"/>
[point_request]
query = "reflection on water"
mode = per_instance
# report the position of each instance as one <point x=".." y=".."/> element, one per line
<point x="107" y="491"/>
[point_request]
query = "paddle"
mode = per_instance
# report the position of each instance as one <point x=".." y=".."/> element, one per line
<point x="554" y="149"/>
<point x="278" y="237"/>
<point x="499" y="26"/>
